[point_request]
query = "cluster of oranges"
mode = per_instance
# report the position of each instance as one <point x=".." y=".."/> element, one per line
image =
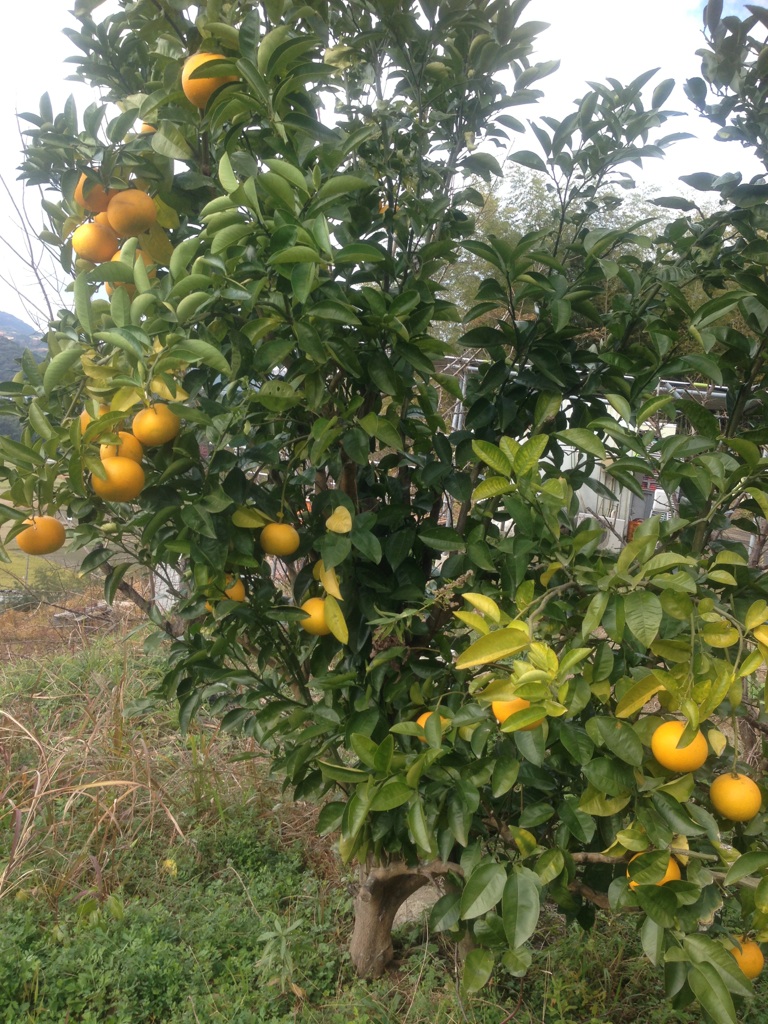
<point x="734" y="796"/>
<point x="123" y="478"/>
<point x="117" y="214"/>
<point x="282" y="540"/>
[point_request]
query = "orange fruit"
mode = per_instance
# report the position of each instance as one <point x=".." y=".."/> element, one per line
<point x="423" y="718"/>
<point x="91" y="195"/>
<point x="147" y="129"/>
<point x="749" y="958"/>
<point x="502" y="709"/>
<point x="94" y="243"/>
<point x="156" y="425"/>
<point x="279" y="539"/>
<point x="130" y="288"/>
<point x="200" y="90"/>
<point x="672" y="874"/>
<point x="130" y="212"/>
<point x="43" y="535"/>
<point x="235" y="591"/>
<point x="735" y="796"/>
<point x="316" y="624"/>
<point x="124" y="482"/>
<point x="127" y="448"/>
<point x="678" y="759"/>
<point x="86" y="418"/>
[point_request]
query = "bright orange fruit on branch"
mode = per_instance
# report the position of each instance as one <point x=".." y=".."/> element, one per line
<point x="749" y="958"/>
<point x="43" y="535"/>
<point x="672" y="874"/>
<point x="424" y="718"/>
<point x="316" y="624"/>
<point x="279" y="539"/>
<point x="86" y="418"/>
<point x="200" y="90"/>
<point x="156" y="425"/>
<point x="124" y="482"/>
<point x="91" y="195"/>
<point x="502" y="709"/>
<point x="127" y="447"/>
<point x="94" y="243"/>
<point x="131" y="212"/>
<point x="678" y="759"/>
<point x="735" y="796"/>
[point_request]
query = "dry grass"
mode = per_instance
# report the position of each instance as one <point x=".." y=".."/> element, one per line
<point x="82" y="783"/>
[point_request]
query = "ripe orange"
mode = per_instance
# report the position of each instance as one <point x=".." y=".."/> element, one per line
<point x="678" y="759"/>
<point x="147" y="129"/>
<point x="43" y="535"/>
<point x="735" y="796"/>
<point x="94" y="243"/>
<point x="156" y="425"/>
<point x="92" y="196"/>
<point x="127" y="448"/>
<point x="235" y="591"/>
<point x="423" y="718"/>
<point x="200" y="90"/>
<point x="502" y="709"/>
<point x="130" y="212"/>
<point x="749" y="958"/>
<point x="672" y="874"/>
<point x="124" y="482"/>
<point x="279" y="539"/>
<point x="316" y="624"/>
<point x="86" y="418"/>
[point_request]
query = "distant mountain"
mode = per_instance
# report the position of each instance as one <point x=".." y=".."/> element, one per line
<point x="15" y="336"/>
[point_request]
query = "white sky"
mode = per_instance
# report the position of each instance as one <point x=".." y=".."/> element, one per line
<point x="593" y="39"/>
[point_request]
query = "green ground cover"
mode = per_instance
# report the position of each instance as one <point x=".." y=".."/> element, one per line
<point x="150" y="879"/>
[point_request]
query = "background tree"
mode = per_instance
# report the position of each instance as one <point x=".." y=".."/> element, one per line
<point x="285" y="310"/>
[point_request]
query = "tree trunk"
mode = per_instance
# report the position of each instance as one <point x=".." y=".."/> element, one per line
<point x="376" y="904"/>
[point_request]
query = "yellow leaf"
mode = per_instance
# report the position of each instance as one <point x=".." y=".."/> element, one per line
<point x="335" y="619"/>
<point x="474" y="621"/>
<point x="549" y="572"/>
<point x="717" y="741"/>
<point x="761" y="634"/>
<point x="721" y="635"/>
<point x="340" y="521"/>
<point x="249" y="518"/>
<point x="485" y="605"/>
<point x="495" y="646"/>
<point x="157" y="245"/>
<point x="638" y="695"/>
<point x="161" y="389"/>
<point x="328" y="579"/>
<point x="751" y="664"/>
<point x="125" y="398"/>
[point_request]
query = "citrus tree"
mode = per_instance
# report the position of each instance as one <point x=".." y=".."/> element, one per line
<point x="382" y="570"/>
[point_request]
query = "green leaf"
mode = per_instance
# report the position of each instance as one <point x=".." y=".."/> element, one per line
<point x="441" y="538"/>
<point x="483" y="890"/>
<point x="445" y="914"/>
<point x="341" y="185"/>
<point x="643" y="614"/>
<point x="708" y="987"/>
<point x="619" y="737"/>
<point x="169" y="141"/>
<point x="493" y="487"/>
<point x="584" y="439"/>
<point x="520" y="906"/>
<point x="393" y="793"/>
<point x="194" y="350"/>
<point x="83" y="303"/>
<point x="57" y="369"/>
<point x="747" y="864"/>
<point x="478" y="968"/>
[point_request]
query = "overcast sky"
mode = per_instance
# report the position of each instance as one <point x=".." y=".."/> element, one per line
<point x="593" y="39"/>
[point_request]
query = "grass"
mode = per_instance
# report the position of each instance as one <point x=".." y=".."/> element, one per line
<point x="150" y="879"/>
